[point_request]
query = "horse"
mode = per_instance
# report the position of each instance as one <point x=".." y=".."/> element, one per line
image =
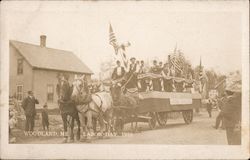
<point x="91" y="106"/>
<point x="68" y="110"/>
<point x="121" y="98"/>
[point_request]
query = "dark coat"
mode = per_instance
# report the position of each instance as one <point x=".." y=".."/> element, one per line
<point x="232" y="111"/>
<point x="45" y="117"/>
<point x="221" y="103"/>
<point x="28" y="105"/>
<point x="179" y="86"/>
<point x="132" y="68"/>
<point x="209" y="105"/>
<point x="155" y="70"/>
<point x="115" y="74"/>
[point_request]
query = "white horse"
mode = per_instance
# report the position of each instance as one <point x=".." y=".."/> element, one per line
<point x="92" y="105"/>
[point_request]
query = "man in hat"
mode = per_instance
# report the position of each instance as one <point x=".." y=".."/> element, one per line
<point x="131" y="77"/>
<point x="209" y="108"/>
<point x="156" y="81"/>
<point x="141" y="83"/>
<point x="160" y="66"/>
<point x="132" y="66"/>
<point x="118" y="72"/>
<point x="142" y="68"/>
<point x="232" y="115"/>
<point x="155" y="68"/>
<point x="28" y="105"/>
<point x="221" y="105"/>
<point x="167" y="82"/>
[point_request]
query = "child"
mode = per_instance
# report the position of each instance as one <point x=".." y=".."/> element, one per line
<point x="45" y="117"/>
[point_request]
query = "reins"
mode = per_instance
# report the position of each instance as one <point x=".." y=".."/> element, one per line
<point x="123" y="86"/>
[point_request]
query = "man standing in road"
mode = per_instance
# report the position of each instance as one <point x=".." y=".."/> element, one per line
<point x="232" y="116"/>
<point x="219" y="118"/>
<point x="28" y="105"/>
<point x="209" y="108"/>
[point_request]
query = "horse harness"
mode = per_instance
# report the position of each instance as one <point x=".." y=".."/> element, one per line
<point x="88" y="107"/>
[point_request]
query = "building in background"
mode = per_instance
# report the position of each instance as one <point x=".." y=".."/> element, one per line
<point x="36" y="68"/>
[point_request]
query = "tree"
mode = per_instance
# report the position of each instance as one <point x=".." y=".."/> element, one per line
<point x="106" y="69"/>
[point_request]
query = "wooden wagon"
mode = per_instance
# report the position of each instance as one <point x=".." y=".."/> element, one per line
<point x="154" y="106"/>
<point x="158" y="104"/>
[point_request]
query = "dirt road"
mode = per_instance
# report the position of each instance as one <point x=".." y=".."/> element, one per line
<point x="199" y="132"/>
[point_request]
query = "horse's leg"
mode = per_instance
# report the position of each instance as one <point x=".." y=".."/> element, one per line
<point x="89" y="124"/>
<point x="78" y="127"/>
<point x="94" y="125"/>
<point x="83" y="124"/>
<point x="133" y="117"/>
<point x="136" y="129"/>
<point x="109" y="120"/>
<point x="112" y="122"/>
<point x="102" y="125"/>
<point x="64" y="118"/>
<point x="71" y="129"/>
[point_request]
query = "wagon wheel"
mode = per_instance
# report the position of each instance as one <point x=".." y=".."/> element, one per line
<point x="187" y="116"/>
<point x="162" y="118"/>
<point x="152" y="120"/>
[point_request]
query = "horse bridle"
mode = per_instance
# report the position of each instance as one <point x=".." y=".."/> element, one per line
<point x="79" y="89"/>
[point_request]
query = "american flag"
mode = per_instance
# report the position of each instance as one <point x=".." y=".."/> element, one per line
<point x="112" y="39"/>
<point x="117" y="47"/>
<point x="123" y="54"/>
<point x="176" y="60"/>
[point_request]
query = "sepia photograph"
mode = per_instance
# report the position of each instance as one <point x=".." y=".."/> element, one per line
<point x="105" y="76"/>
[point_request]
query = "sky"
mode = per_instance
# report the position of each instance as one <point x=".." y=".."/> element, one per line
<point x="153" y="29"/>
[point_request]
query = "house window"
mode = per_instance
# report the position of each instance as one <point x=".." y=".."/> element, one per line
<point x="50" y="93"/>
<point x="19" y="91"/>
<point x="20" y="66"/>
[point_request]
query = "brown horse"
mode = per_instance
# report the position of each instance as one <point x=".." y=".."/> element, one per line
<point x="67" y="109"/>
<point x="125" y="108"/>
<point x="92" y="106"/>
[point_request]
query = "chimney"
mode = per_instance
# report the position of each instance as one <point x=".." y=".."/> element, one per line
<point x="42" y="41"/>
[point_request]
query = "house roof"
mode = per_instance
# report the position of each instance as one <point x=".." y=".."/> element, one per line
<point x="52" y="59"/>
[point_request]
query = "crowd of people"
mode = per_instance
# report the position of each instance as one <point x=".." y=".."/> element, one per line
<point x="161" y="77"/>
<point x="229" y="103"/>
